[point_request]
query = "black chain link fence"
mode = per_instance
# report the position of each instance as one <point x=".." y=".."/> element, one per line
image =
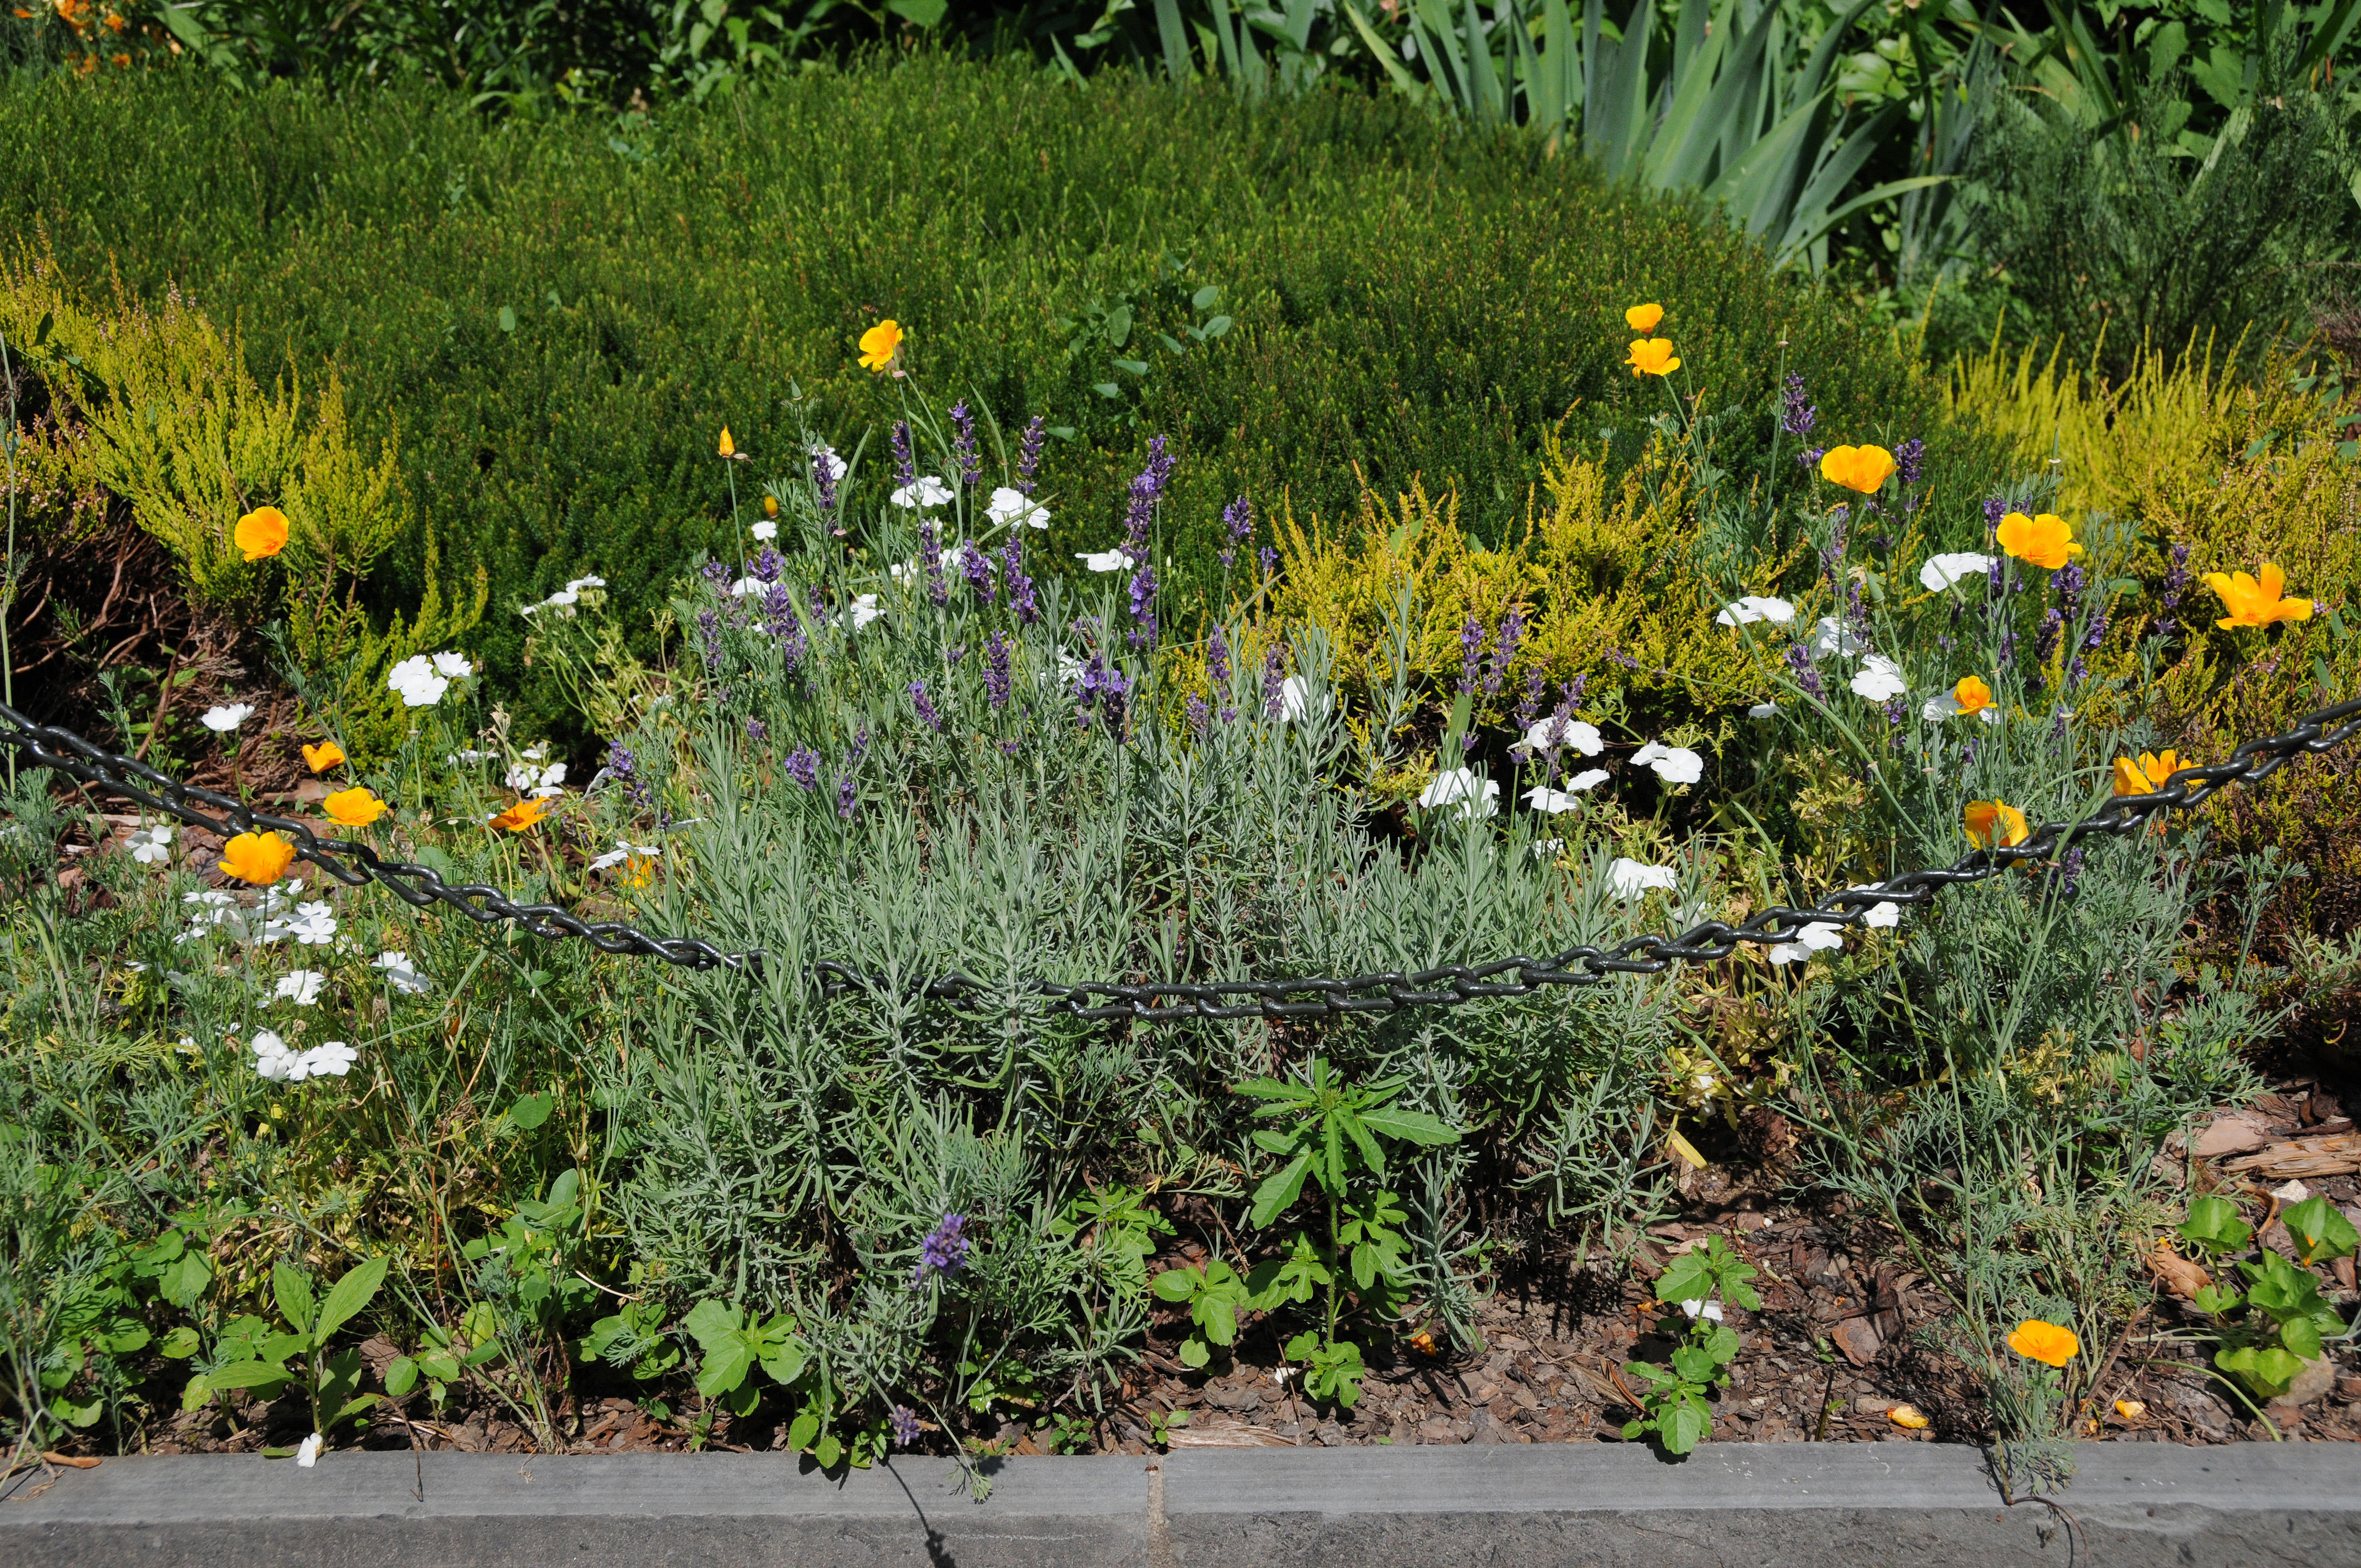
<point x="354" y="865"/>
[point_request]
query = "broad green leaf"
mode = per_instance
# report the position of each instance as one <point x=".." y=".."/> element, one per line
<point x="184" y="1280"/>
<point x="2213" y="1224"/>
<point x="742" y="1399"/>
<point x="195" y="1392"/>
<point x="1409" y="1126"/>
<point x="1194" y="1352"/>
<point x="802" y="1431"/>
<point x="784" y="1362"/>
<point x="293" y="1291"/>
<point x="180" y="1345"/>
<point x="75" y="1415"/>
<point x="827" y="1451"/>
<point x="1278" y="1192"/>
<point x="2301" y="1338"/>
<point x="248" y="1375"/>
<point x="1683" y="1426"/>
<point x="2320" y="1232"/>
<point x="711" y="1323"/>
<point x="532" y="1110"/>
<point x="727" y="1360"/>
<point x="401" y="1377"/>
<point x="123" y="1336"/>
<point x="1177" y="1284"/>
<point x="1216" y="1314"/>
<point x="349" y="1295"/>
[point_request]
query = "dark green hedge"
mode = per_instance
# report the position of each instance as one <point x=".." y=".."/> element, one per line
<point x="1409" y="301"/>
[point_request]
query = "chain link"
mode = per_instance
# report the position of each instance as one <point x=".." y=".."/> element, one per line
<point x="355" y="864"/>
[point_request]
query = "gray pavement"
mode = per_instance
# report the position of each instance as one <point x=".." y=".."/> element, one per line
<point x="1764" y="1506"/>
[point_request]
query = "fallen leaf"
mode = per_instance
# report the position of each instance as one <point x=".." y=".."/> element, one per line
<point x="2130" y="1409"/>
<point x="1857" y="1337"/>
<point x="2177" y="1274"/>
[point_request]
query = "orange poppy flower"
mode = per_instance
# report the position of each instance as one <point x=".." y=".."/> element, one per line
<point x="355" y="808"/>
<point x="1991" y="822"/>
<point x="1652" y="357"/>
<point x="726" y="447"/>
<point x="2045" y="540"/>
<point x="769" y="506"/>
<point x="322" y="757"/>
<point x="1643" y="319"/>
<point x="881" y="345"/>
<point x="2146" y="775"/>
<point x="261" y="532"/>
<point x="257" y="857"/>
<point x="2044" y="1343"/>
<point x="1972" y="695"/>
<point x="521" y="815"/>
<point x="1862" y="468"/>
<point x="2253" y="603"/>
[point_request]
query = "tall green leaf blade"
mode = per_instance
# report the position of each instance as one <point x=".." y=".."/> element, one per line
<point x="1409" y="86"/>
<point x="1177" y="62"/>
<point x="349" y="1295"/>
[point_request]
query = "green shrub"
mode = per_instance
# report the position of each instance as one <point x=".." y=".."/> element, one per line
<point x="557" y="314"/>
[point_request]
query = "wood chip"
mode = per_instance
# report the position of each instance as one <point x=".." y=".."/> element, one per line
<point x="2339" y="1154"/>
<point x="1225" y="1434"/>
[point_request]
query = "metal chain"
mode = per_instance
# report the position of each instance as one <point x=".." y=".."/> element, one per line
<point x="1161" y="1001"/>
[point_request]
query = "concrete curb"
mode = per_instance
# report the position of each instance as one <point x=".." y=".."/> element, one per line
<point x="1764" y="1506"/>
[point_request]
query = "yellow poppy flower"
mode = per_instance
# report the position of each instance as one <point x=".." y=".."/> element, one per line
<point x="521" y="815"/>
<point x="261" y="532"/>
<point x="1652" y="357"/>
<point x="1862" y="468"/>
<point x="2146" y="775"/>
<point x="1643" y="318"/>
<point x="2045" y="540"/>
<point x="2044" y="1343"/>
<point x="727" y="447"/>
<point x="2252" y="603"/>
<point x="322" y="757"/>
<point x="880" y="345"/>
<point x="257" y="857"/>
<point x="1908" y="1417"/>
<point x="355" y="808"/>
<point x="1972" y="695"/>
<point x="1991" y="822"/>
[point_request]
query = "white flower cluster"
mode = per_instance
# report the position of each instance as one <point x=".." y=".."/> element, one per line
<point x="1008" y="509"/>
<point x="275" y="1061"/>
<point x="927" y="491"/>
<point x="222" y="720"/>
<point x="562" y="601"/>
<point x="1674" y="764"/>
<point x="423" y="678"/>
<point x="152" y="845"/>
<point x="399" y="973"/>
<point x="534" y="778"/>
<point x="624" y="849"/>
<point x="299" y="986"/>
<point x="1460" y="787"/>
<point x="1823" y="938"/>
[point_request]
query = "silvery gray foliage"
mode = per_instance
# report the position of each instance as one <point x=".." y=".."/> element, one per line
<point x="887" y="811"/>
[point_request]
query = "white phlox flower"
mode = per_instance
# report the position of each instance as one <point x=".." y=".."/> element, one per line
<point x="1763" y="710"/>
<point x="332" y="1058"/>
<point x="765" y="529"/>
<point x="1754" y="608"/>
<point x="307" y="1453"/>
<point x="542" y="781"/>
<point x="1573" y="734"/>
<point x="1589" y="778"/>
<point x="928" y="491"/>
<point x="1545" y="848"/>
<point x="417" y="681"/>
<point x="1949" y="571"/>
<point x="399" y="973"/>
<point x="452" y="666"/>
<point x="1630" y="880"/>
<point x="1879" y="679"/>
<point x="623" y="851"/>
<point x="1833" y="638"/>
<point x="1884" y="916"/>
<point x="299" y="986"/>
<point x="151" y="846"/>
<point x="1297" y="699"/>
<point x="864" y="610"/>
<point x="312" y="925"/>
<point x="826" y="460"/>
<point x="1697" y="1307"/>
<point x="747" y="587"/>
<point x="1462" y="788"/>
<point x="1818" y="938"/>
<point x="221" y="721"/>
<point x="1105" y="560"/>
<point x="1540" y="798"/>
<point x="1009" y="508"/>
<point x="1674" y="764"/>
<point x="272" y="1059"/>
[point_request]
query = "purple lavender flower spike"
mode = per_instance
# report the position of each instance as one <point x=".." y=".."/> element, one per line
<point x="971" y="465"/>
<point x="803" y="766"/>
<point x="907" y="1431"/>
<point x="1799" y="411"/>
<point x="1028" y="454"/>
<point x="906" y="466"/>
<point x="925" y="704"/>
<point x="995" y="670"/>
